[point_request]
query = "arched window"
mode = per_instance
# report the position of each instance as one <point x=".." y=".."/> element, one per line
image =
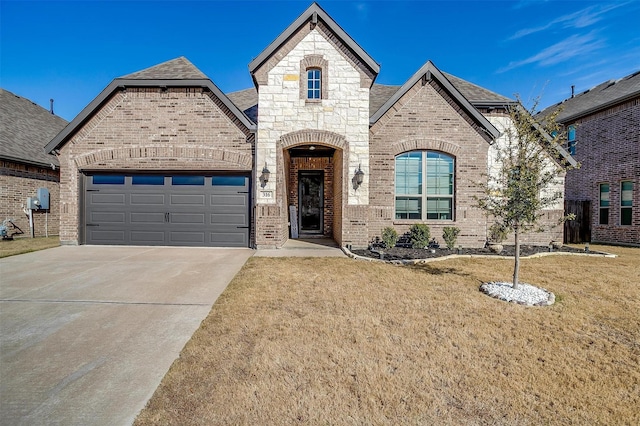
<point x="424" y="185"/>
<point x="314" y="83"/>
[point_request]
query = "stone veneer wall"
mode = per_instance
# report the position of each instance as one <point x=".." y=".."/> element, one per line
<point x="153" y="129"/>
<point x="344" y="112"/>
<point x="19" y="181"/>
<point x="608" y="150"/>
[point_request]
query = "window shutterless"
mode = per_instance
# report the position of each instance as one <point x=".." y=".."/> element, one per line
<point x="424" y="185"/>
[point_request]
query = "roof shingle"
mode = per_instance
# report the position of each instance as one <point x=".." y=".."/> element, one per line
<point x="25" y="129"/>
<point x="175" y="69"/>
<point x="602" y="96"/>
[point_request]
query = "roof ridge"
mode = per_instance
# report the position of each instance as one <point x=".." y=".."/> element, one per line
<point x="179" y="68"/>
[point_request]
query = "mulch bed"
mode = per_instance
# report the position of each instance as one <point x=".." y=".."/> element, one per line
<point x="403" y="253"/>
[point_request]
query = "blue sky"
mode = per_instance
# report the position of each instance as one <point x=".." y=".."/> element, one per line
<point x="71" y="50"/>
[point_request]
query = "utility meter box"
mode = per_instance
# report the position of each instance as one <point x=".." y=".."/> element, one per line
<point x="33" y="203"/>
<point x="42" y="194"/>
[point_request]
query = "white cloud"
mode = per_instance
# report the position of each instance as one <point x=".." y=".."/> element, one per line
<point x="580" y="19"/>
<point x="573" y="46"/>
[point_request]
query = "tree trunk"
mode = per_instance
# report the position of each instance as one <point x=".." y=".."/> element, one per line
<point x="516" y="266"/>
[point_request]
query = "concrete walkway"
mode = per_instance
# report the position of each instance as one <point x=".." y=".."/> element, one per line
<point x="87" y="333"/>
<point x="311" y="247"/>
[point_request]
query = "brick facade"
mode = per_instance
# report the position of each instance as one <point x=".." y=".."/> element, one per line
<point x="150" y="129"/>
<point x="424" y="120"/>
<point x="608" y="150"/>
<point x="184" y="129"/>
<point x="19" y="181"/>
<point x="324" y="164"/>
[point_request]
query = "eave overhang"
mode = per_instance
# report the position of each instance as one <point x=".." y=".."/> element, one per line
<point x="36" y="163"/>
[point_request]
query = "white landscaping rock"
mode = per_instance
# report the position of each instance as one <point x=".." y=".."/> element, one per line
<point x="526" y="294"/>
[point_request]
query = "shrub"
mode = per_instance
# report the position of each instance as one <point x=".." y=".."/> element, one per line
<point x="450" y="235"/>
<point x="419" y="235"/>
<point x="389" y="237"/>
<point x="497" y="233"/>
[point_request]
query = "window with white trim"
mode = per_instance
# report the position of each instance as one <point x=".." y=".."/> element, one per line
<point x="626" y="202"/>
<point x="424" y="186"/>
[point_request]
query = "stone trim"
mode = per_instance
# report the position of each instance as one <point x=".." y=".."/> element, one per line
<point x="302" y="137"/>
<point x="425" y="145"/>
<point x="240" y="161"/>
<point x="311" y="62"/>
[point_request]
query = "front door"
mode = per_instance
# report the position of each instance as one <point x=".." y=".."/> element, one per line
<point x="310" y="201"/>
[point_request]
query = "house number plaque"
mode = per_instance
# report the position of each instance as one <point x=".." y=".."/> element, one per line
<point x="266" y="194"/>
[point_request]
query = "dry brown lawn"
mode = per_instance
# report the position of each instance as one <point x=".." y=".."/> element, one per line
<point x="26" y="245"/>
<point x="337" y="341"/>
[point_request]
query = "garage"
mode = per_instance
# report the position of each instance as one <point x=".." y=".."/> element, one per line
<point x="167" y="210"/>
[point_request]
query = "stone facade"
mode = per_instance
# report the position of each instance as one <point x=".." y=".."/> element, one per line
<point x="19" y="181"/>
<point x="344" y="111"/>
<point x="608" y="150"/>
<point x="150" y="129"/>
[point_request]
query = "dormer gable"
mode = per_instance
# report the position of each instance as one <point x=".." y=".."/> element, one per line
<point x="314" y="18"/>
<point x="430" y="74"/>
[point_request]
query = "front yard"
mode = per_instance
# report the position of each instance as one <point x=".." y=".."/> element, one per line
<point x="338" y="341"/>
<point x="26" y="245"/>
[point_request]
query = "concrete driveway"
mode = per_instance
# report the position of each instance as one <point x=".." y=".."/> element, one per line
<point x="87" y="333"/>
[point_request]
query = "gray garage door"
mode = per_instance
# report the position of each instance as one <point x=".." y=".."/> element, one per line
<point x="177" y="210"/>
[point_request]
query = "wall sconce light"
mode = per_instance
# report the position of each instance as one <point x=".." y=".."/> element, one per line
<point x="266" y="174"/>
<point x="359" y="177"/>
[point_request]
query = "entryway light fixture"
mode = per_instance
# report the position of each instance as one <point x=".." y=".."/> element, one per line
<point x="265" y="174"/>
<point x="359" y="175"/>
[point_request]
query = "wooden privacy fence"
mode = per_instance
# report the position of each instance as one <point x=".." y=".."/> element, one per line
<point x="579" y="229"/>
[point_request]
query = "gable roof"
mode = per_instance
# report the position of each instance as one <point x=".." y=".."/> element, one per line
<point x="25" y="128"/>
<point x="477" y="95"/>
<point x="600" y="97"/>
<point x="430" y="71"/>
<point x="247" y="99"/>
<point x="178" y="72"/>
<point x="313" y="13"/>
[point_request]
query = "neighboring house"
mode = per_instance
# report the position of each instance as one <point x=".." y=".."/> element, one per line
<point x="162" y="156"/>
<point x="603" y="125"/>
<point x="25" y="128"/>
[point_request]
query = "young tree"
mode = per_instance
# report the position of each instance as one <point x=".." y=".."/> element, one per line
<point x="527" y="162"/>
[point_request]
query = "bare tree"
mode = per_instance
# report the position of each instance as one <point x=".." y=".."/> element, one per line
<point x="528" y="162"/>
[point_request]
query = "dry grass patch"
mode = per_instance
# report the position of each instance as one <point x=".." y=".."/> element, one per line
<point x="26" y="245"/>
<point x="337" y="341"/>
